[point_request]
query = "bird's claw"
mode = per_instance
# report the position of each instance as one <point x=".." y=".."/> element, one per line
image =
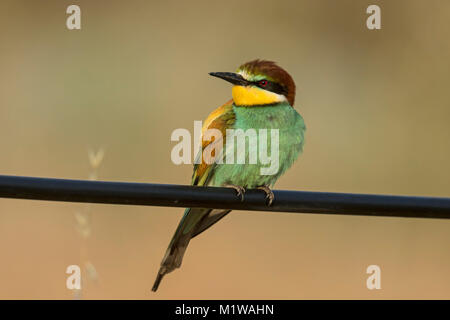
<point x="239" y="190"/>
<point x="268" y="192"/>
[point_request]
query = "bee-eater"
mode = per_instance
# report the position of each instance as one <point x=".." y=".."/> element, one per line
<point x="263" y="98"/>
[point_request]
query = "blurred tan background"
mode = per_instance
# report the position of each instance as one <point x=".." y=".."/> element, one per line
<point x="376" y="104"/>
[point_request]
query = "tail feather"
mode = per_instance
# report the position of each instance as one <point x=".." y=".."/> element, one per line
<point x="172" y="259"/>
<point x="177" y="247"/>
<point x="158" y="280"/>
<point x="193" y="222"/>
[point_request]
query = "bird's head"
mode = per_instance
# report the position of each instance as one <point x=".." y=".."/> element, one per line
<point x="259" y="83"/>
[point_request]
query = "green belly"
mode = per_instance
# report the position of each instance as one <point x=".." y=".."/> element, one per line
<point x="291" y="130"/>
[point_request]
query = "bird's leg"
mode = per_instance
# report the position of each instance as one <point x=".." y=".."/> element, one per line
<point x="239" y="190"/>
<point x="268" y="192"/>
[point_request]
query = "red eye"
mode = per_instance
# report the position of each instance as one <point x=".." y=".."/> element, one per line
<point x="263" y="83"/>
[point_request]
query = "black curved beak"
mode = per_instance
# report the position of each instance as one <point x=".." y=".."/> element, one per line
<point x="234" y="78"/>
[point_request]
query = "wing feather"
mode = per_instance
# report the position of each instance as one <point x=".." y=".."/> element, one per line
<point x="221" y="119"/>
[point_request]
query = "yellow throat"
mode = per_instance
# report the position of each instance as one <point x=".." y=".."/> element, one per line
<point x="251" y="96"/>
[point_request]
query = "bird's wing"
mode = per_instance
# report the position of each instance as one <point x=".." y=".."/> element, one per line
<point x="197" y="220"/>
<point x="214" y="215"/>
<point x="221" y="119"/>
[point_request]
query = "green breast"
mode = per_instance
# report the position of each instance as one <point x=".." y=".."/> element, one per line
<point x="290" y="127"/>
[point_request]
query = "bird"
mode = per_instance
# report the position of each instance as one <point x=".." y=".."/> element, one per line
<point x="263" y="96"/>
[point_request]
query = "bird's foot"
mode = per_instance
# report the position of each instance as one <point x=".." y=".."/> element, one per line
<point x="268" y="192"/>
<point x="239" y="190"/>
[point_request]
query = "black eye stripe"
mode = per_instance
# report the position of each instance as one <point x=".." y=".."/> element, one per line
<point x="272" y="86"/>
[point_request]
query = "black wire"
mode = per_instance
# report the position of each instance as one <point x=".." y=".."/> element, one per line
<point x="146" y="194"/>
